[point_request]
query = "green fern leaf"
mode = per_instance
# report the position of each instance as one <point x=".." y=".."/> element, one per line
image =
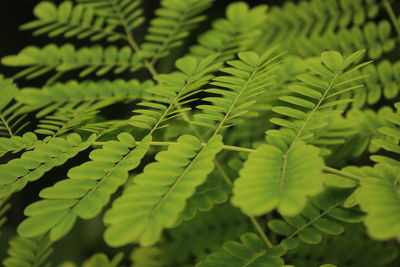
<point x="223" y="223"/>
<point x="140" y="216"/>
<point x="364" y="252"/>
<point x="389" y="140"/>
<point x="25" y="252"/>
<point x="251" y="252"/>
<point x="33" y="164"/>
<point x="164" y="101"/>
<point x="379" y="197"/>
<point x="323" y="215"/>
<point x="87" y="191"/>
<point x="10" y="118"/>
<point x="272" y="179"/>
<point x="312" y="102"/>
<point x="70" y="20"/>
<point x="123" y="13"/>
<point x="212" y="192"/>
<point x="247" y="81"/>
<point x="74" y="95"/>
<point x="290" y="22"/>
<point x="15" y="144"/>
<point x="233" y="34"/>
<point x="173" y="22"/>
<point x="100" y="259"/>
<point x="95" y="59"/>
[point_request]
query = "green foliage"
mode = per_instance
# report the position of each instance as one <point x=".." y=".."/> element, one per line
<point x="250" y="251"/>
<point x="270" y="179"/>
<point x="177" y="172"/>
<point x="87" y="190"/>
<point x="264" y="137"/>
<point x="28" y="252"/>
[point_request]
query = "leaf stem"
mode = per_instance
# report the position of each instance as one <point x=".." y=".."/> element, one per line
<point x="261" y="232"/>
<point x="347" y="175"/>
<point x="392" y="16"/>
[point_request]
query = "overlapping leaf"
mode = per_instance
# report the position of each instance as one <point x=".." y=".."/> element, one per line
<point x="87" y="190"/>
<point x="159" y="195"/>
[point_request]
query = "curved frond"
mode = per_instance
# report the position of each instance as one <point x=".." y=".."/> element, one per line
<point x="73" y="95"/>
<point x="87" y="190"/>
<point x="323" y="215"/>
<point x="251" y="252"/>
<point x="72" y="20"/>
<point x="164" y="101"/>
<point x="173" y="22"/>
<point x="160" y="193"/>
<point x="291" y="21"/>
<point x="247" y="80"/>
<point x="364" y="252"/>
<point x="321" y="91"/>
<point x="222" y="223"/>
<point x="389" y="140"/>
<point x="273" y="179"/>
<point x="233" y="34"/>
<point x="28" y="252"/>
<point x="33" y="164"/>
<point x="381" y="82"/>
<point x="11" y="120"/>
<point x="100" y="259"/>
<point x="375" y="37"/>
<point x="63" y="122"/>
<point x="378" y="195"/>
<point x="212" y="192"/>
<point x="123" y="13"/>
<point x="96" y="59"/>
<point x="15" y="144"/>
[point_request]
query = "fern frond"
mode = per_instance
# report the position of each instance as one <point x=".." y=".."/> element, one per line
<point x="173" y="22"/>
<point x="247" y="81"/>
<point x="87" y="190"/>
<point x="389" y="140"/>
<point x="364" y="252"/>
<point x="71" y="21"/>
<point x="315" y="17"/>
<point x="251" y="251"/>
<point x="33" y="164"/>
<point x="378" y="195"/>
<point x="365" y="126"/>
<point x="11" y="120"/>
<point x="96" y="59"/>
<point x="315" y="99"/>
<point x="138" y="216"/>
<point x="100" y="259"/>
<point x="273" y="179"/>
<point x="232" y="34"/>
<point x="164" y="101"/>
<point x="63" y="122"/>
<point x="123" y="13"/>
<point x="28" y="252"/>
<point x="4" y="207"/>
<point x="75" y="95"/>
<point x="375" y="37"/>
<point x="382" y="82"/>
<point x="15" y="144"/>
<point x="323" y="215"/>
<point x="212" y="192"/>
<point x="181" y="244"/>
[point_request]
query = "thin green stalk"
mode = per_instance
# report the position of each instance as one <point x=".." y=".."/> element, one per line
<point x="261" y="232"/>
<point x="392" y="16"/>
<point x="347" y="175"/>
